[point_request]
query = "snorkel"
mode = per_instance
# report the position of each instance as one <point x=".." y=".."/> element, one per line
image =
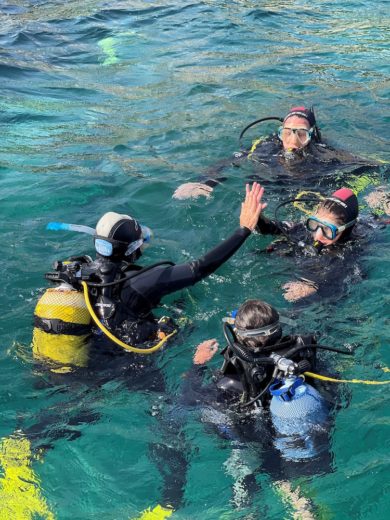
<point x="104" y="245"/>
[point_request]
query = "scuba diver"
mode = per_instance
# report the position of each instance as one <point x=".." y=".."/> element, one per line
<point x="295" y="151"/>
<point x="259" y="396"/>
<point x="257" y="354"/>
<point x="119" y="294"/>
<point x="325" y="246"/>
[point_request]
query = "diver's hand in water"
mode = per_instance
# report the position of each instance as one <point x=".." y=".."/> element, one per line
<point x="252" y="206"/>
<point x="192" y="190"/>
<point x="379" y="201"/>
<point x="296" y="290"/>
<point x="205" y="351"/>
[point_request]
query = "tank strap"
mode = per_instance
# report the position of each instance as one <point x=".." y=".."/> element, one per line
<point x="55" y="326"/>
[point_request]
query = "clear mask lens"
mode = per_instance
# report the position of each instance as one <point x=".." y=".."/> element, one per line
<point x="142" y="243"/>
<point x="303" y="135"/>
<point x="103" y="247"/>
<point x="134" y="246"/>
<point x="329" y="231"/>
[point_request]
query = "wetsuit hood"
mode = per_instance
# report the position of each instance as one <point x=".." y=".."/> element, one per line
<point x="117" y="235"/>
<point x="346" y="198"/>
<point x="305" y="113"/>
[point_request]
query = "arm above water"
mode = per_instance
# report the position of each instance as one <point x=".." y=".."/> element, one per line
<point x="266" y="226"/>
<point x="207" y="182"/>
<point x="158" y="282"/>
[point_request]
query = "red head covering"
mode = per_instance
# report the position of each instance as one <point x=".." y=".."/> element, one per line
<point x="306" y="113"/>
<point x="349" y="202"/>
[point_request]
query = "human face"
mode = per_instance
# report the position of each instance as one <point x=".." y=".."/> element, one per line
<point x="291" y="136"/>
<point x="325" y="217"/>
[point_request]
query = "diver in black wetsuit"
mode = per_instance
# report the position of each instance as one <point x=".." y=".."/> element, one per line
<point x="327" y="246"/>
<point x="122" y="293"/>
<point x="248" y="369"/>
<point x="297" y="152"/>
<point x="256" y="400"/>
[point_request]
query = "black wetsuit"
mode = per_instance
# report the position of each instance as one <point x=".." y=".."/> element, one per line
<point x="217" y="403"/>
<point x="239" y="381"/>
<point x="316" y="166"/>
<point x="135" y="298"/>
<point x="329" y="269"/>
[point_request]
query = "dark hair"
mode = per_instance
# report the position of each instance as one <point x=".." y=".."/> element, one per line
<point x="254" y="314"/>
<point x="336" y="210"/>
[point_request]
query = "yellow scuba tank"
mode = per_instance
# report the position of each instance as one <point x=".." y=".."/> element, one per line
<point x="62" y="325"/>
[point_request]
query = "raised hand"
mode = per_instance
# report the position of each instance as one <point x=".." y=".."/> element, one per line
<point x="252" y="206"/>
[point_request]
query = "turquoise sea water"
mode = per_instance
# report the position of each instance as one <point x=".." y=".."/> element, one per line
<point x="112" y="105"/>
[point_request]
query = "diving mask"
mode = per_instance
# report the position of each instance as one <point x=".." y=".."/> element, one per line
<point x="303" y="134"/>
<point x="265" y="331"/>
<point x="329" y="230"/>
<point x="105" y="246"/>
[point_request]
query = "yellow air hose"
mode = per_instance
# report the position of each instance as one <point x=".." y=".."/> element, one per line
<point x="129" y="348"/>
<point x="301" y="194"/>
<point x="333" y="380"/>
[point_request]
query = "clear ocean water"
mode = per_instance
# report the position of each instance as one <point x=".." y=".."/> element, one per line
<point x="110" y="106"/>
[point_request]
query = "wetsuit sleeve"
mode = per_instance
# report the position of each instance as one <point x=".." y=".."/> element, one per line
<point x="198" y="387"/>
<point x="217" y="256"/>
<point x="262" y="148"/>
<point x="266" y="226"/>
<point x="213" y="176"/>
<point x="160" y="281"/>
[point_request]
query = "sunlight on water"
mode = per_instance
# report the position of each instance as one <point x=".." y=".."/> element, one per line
<point x="111" y="106"/>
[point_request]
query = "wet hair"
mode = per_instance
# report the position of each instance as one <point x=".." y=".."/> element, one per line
<point x="254" y="314"/>
<point x="335" y="209"/>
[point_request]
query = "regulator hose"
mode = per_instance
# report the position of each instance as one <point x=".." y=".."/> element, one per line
<point x="116" y="340"/>
<point x="256" y="122"/>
